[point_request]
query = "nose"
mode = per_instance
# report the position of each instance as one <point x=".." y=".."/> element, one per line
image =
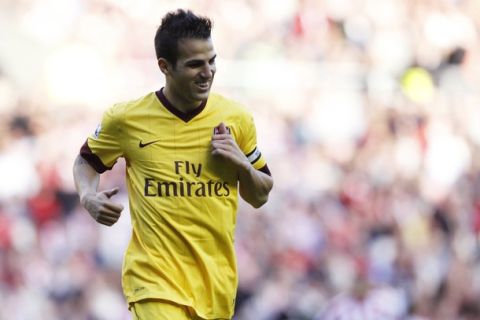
<point x="207" y="71"/>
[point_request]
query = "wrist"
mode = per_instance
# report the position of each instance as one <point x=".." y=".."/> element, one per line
<point x="84" y="198"/>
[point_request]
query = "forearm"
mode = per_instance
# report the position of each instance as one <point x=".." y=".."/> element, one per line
<point x="254" y="185"/>
<point x="85" y="177"/>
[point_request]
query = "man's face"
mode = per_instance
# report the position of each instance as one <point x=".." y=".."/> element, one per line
<point x="192" y="76"/>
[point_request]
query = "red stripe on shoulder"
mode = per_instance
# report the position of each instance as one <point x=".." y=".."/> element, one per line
<point x="93" y="159"/>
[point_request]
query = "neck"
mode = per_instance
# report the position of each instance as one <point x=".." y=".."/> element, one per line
<point x="180" y="104"/>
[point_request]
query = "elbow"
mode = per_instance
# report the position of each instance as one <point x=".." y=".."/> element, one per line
<point x="257" y="203"/>
<point x="260" y="200"/>
<point x="259" y="197"/>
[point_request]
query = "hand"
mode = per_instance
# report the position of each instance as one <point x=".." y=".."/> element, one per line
<point x="101" y="208"/>
<point x="224" y="145"/>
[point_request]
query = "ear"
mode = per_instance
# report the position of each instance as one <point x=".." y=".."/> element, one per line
<point x="164" y="66"/>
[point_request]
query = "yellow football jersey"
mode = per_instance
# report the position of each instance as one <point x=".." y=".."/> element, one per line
<point x="183" y="200"/>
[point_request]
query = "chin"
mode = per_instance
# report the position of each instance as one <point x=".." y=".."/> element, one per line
<point x="201" y="95"/>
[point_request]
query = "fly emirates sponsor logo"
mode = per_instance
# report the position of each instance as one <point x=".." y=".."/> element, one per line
<point x="182" y="188"/>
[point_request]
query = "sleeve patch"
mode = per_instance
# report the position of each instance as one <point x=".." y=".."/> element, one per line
<point x="97" y="131"/>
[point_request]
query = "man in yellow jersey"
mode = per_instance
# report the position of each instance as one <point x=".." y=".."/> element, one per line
<point x="188" y="154"/>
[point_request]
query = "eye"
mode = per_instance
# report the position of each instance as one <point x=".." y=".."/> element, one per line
<point x="212" y="61"/>
<point x="194" y="64"/>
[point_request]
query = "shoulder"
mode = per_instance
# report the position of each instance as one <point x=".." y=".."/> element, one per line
<point x="119" y="110"/>
<point x="228" y="105"/>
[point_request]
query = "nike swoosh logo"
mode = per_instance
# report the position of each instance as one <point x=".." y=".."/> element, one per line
<point x="143" y="145"/>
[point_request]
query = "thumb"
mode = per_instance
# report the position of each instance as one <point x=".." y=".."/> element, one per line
<point x="110" y="193"/>
<point x="222" y="129"/>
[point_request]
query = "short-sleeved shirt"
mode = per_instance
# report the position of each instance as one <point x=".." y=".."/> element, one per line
<point x="183" y="200"/>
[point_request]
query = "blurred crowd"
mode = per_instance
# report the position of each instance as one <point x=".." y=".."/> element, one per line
<point x="368" y="112"/>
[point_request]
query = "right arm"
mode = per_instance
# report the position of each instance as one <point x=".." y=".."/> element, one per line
<point x="98" y="204"/>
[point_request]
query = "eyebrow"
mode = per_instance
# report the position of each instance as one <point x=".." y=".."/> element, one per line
<point x="195" y="61"/>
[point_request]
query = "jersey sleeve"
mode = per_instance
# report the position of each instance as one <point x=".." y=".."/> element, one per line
<point x="103" y="148"/>
<point x="248" y="144"/>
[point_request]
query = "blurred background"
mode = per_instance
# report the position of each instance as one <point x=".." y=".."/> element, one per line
<point x="368" y="112"/>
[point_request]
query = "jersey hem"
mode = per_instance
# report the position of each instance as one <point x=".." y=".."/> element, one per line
<point x="180" y="302"/>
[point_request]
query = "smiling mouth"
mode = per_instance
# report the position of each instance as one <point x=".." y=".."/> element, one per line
<point x="203" y="85"/>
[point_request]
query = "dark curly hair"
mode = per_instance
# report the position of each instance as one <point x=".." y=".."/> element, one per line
<point x="178" y="25"/>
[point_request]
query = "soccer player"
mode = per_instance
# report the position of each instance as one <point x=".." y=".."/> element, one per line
<point x="188" y="153"/>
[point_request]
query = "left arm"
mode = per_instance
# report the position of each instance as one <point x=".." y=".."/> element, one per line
<point x="254" y="184"/>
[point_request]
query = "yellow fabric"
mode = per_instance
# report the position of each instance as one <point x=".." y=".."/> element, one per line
<point x="183" y="201"/>
<point x="160" y="310"/>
